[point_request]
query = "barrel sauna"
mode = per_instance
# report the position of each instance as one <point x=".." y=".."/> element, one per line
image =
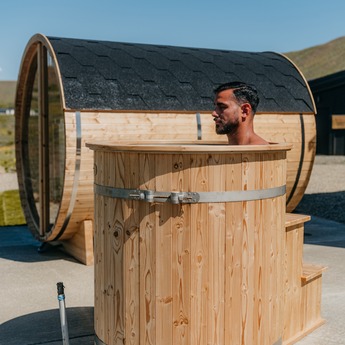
<point x="71" y="91"/>
<point x="189" y="243"/>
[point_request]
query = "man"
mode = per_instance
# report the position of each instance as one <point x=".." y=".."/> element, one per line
<point x="235" y="107"/>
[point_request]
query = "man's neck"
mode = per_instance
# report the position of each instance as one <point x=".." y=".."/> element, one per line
<point x="247" y="138"/>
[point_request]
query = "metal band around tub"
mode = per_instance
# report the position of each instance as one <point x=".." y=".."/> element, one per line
<point x="188" y="197"/>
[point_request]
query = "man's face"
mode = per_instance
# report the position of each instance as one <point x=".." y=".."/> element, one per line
<point x="227" y="112"/>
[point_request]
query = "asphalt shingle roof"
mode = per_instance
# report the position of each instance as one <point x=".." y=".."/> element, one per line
<point x="101" y="75"/>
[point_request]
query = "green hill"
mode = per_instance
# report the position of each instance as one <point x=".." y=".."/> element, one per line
<point x="7" y="93"/>
<point x="321" y="60"/>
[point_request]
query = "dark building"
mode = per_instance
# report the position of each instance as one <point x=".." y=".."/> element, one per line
<point x="329" y="96"/>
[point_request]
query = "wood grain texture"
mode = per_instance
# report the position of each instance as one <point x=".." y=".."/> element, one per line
<point x="302" y="284"/>
<point x="80" y="246"/>
<point x="198" y="273"/>
<point x="119" y="127"/>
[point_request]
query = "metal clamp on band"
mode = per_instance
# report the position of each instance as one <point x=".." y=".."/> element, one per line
<point x="189" y="197"/>
<point x="147" y="195"/>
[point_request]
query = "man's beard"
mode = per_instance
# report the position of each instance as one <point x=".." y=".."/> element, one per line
<point x="228" y="128"/>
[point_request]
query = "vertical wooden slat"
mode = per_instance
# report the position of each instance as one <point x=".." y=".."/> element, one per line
<point x="258" y="236"/>
<point x="132" y="256"/>
<point x="234" y="235"/>
<point x="99" y="251"/>
<point x="181" y="233"/>
<point x="199" y="258"/>
<point x="247" y="281"/>
<point x="147" y="256"/>
<point x="164" y="253"/>
<point x="116" y="241"/>
<point x="216" y="250"/>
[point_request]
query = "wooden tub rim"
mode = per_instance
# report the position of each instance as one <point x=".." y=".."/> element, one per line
<point x="178" y="147"/>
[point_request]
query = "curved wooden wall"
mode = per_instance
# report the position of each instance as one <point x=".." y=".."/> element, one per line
<point x="171" y="127"/>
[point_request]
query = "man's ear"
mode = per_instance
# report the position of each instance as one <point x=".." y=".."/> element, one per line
<point x="246" y="109"/>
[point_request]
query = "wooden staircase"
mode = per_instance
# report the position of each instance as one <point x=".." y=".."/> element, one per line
<point x="303" y="282"/>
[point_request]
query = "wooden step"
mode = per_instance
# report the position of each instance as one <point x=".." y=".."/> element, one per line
<point x="311" y="271"/>
<point x="303" y="305"/>
<point x="292" y="219"/>
<point x="294" y="237"/>
<point x="303" y="284"/>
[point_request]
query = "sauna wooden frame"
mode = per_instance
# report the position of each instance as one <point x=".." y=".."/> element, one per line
<point x="83" y="124"/>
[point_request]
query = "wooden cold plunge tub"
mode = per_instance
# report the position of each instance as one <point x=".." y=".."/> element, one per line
<point x="189" y="243"/>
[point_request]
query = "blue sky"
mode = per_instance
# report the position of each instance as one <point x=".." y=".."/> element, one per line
<point x="252" y="25"/>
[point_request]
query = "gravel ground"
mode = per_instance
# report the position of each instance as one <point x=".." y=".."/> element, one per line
<point x="325" y="194"/>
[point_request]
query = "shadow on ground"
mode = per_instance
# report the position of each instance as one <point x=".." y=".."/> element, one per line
<point x="45" y="328"/>
<point x="18" y="244"/>
<point x="327" y="224"/>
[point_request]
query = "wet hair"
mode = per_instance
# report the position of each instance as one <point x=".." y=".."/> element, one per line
<point x="243" y="93"/>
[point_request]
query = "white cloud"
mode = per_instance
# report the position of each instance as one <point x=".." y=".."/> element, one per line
<point x="0" y="69"/>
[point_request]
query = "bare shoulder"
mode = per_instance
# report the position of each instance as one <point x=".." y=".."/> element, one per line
<point x="257" y="140"/>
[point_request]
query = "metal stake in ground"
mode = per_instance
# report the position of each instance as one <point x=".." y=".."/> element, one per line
<point x="63" y="316"/>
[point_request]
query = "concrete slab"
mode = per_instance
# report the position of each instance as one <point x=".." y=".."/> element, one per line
<point x="29" y="312"/>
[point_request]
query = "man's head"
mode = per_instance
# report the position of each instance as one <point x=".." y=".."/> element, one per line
<point x="243" y="93"/>
<point x="235" y="106"/>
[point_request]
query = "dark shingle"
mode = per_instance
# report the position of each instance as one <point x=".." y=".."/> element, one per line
<point x="128" y="76"/>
